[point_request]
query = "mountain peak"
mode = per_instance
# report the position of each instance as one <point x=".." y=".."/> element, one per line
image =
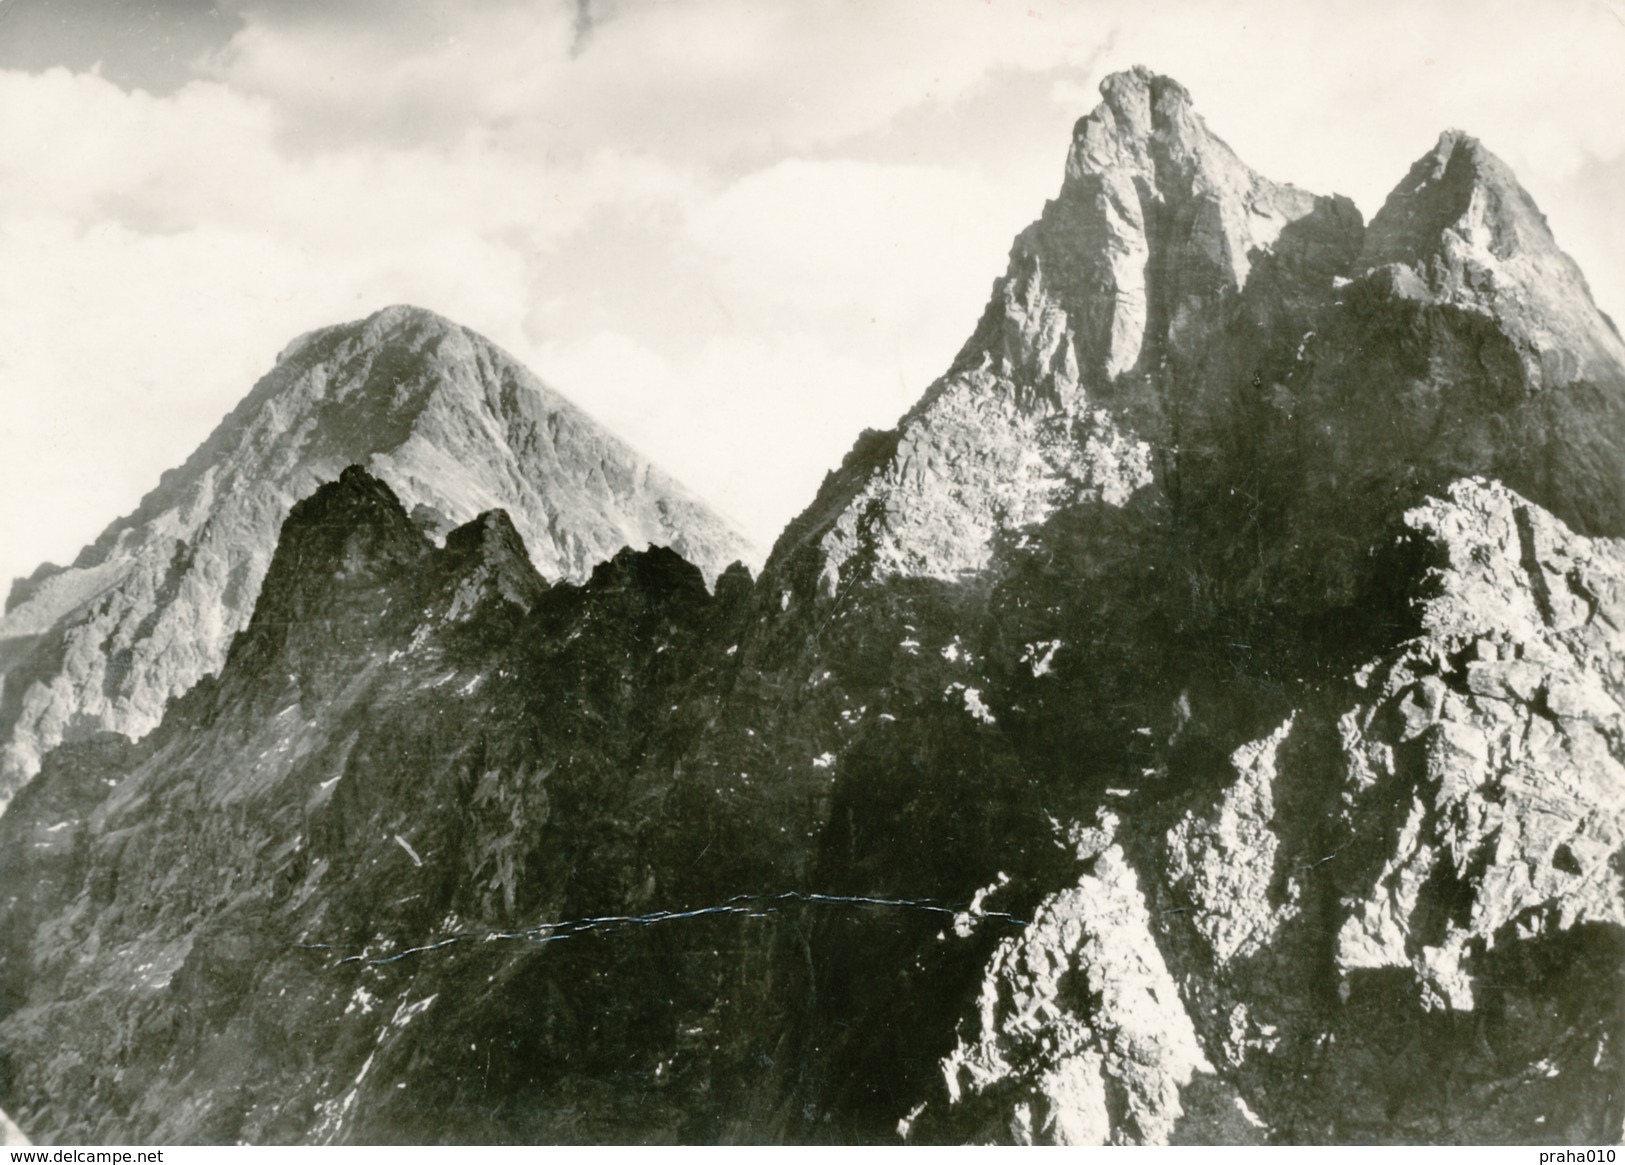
<point x="1452" y="139"/>
<point x="355" y="524"/>
<point x="488" y="554"/>
<point x="490" y="532"/>
<point x="389" y="322"/>
<point x="1143" y="147"/>
<point x="381" y="327"/>
<point x="454" y="425"/>
<point x="1457" y="147"/>
<point x="1130" y="318"/>
<point x="341" y="552"/>
<point x="1140" y="99"/>
<point x="399" y="313"/>
<point x="1157" y="225"/>
<point x="358" y="482"/>
<point x="1460" y="229"/>
<point x="1137" y="105"/>
<point x="1458" y="191"/>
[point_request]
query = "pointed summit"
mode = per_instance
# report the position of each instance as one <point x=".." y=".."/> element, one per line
<point x="1157" y="227"/>
<point x="1168" y="291"/>
<point x="451" y="422"/>
<point x="351" y="569"/>
<point x="1457" y="194"/>
<point x="489" y="561"/>
<point x="1459" y="229"/>
<point x="1145" y="151"/>
<point x="339" y="554"/>
<point x="1137" y="105"/>
<point x="352" y="529"/>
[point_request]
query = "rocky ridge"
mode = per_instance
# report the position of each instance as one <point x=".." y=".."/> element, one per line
<point x="370" y="764"/>
<point x="451" y="421"/>
<point x="1398" y="916"/>
<point x="1199" y="721"/>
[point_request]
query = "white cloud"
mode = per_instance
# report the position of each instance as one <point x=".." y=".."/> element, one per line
<point x="867" y="252"/>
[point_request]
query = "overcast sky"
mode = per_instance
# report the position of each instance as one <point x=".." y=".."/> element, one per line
<point x="735" y="232"/>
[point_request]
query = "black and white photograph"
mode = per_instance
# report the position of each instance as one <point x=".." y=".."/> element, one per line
<point x="812" y="573"/>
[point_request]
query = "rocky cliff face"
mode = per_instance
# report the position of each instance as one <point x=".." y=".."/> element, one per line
<point x="1396" y="916"/>
<point x="452" y="422"/>
<point x="1201" y="720"/>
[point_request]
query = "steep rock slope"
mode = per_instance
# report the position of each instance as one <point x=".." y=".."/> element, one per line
<point x="1199" y="720"/>
<point x="1177" y="324"/>
<point x="377" y="883"/>
<point x="1156" y="227"/>
<point x="1396" y="916"/>
<point x="452" y="422"/>
<point x="247" y="891"/>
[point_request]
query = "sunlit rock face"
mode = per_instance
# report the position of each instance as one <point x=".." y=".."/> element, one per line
<point x="456" y="426"/>
<point x="1157" y="222"/>
<point x="1201" y="720"/>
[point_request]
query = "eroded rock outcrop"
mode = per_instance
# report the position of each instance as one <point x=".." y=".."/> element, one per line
<point x="1081" y="1038"/>
<point x="1399" y="917"/>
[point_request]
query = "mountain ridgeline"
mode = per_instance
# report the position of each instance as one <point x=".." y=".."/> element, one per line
<point x="456" y="426"/>
<point x="1201" y="719"/>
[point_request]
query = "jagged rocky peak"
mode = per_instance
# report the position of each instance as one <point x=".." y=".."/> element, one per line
<point x="354" y="531"/>
<point x="1202" y="750"/>
<point x="654" y="569"/>
<point x="490" y="536"/>
<point x="1461" y="230"/>
<point x="1138" y="106"/>
<point x="1155" y="231"/>
<point x="345" y="557"/>
<point x="350" y="562"/>
<point x="455" y="426"/>
<point x="1150" y="193"/>
<point x="1456" y="192"/>
<point x="1147" y="128"/>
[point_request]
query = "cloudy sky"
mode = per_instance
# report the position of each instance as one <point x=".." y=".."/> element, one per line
<point x="736" y="232"/>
